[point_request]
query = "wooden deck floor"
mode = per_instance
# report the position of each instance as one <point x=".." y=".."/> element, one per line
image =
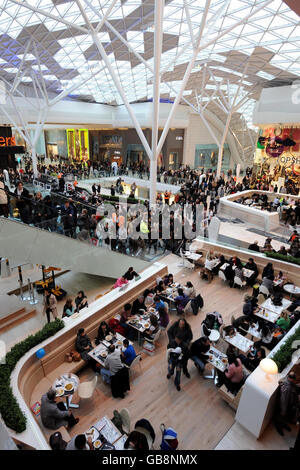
<point x="199" y="415"/>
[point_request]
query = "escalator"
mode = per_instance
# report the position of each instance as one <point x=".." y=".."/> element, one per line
<point x="29" y="244"/>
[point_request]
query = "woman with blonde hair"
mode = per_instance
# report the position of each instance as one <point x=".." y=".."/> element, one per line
<point x="284" y="320"/>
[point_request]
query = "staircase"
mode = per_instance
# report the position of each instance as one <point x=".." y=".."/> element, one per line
<point x="13" y="312"/>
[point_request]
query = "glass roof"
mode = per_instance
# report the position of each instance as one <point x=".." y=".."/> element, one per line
<point x="63" y="46"/>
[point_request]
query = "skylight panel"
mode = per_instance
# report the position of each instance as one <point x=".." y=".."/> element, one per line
<point x="265" y="75"/>
<point x="11" y="69"/>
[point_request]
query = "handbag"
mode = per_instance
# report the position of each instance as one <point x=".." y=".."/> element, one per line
<point x="69" y="357"/>
<point x="75" y="356"/>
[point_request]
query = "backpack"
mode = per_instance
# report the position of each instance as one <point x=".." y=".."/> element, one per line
<point x="169" y="438"/>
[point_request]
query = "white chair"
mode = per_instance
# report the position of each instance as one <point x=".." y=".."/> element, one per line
<point x="136" y="361"/>
<point x="149" y="345"/>
<point x="264" y="290"/>
<point x="238" y="281"/>
<point x="222" y="275"/>
<point x="86" y="389"/>
<point x="260" y="298"/>
<point x="182" y="265"/>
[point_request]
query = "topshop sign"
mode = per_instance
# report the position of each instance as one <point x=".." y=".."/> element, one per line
<point x="290" y="160"/>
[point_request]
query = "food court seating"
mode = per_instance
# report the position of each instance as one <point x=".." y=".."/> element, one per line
<point x="238" y="282"/>
<point x="54" y="363"/>
<point x="150" y="345"/>
<point x="260" y="298"/>
<point x="230" y="398"/>
<point x="136" y="362"/>
<point x="222" y="275"/>
<point x="86" y="389"/>
<point x="264" y="290"/>
<point x="47" y="432"/>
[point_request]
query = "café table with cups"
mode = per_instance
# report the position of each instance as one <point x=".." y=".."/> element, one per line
<point x="100" y="352"/>
<point x="141" y="322"/>
<point x="169" y="295"/>
<point x="218" y="360"/>
<point x="240" y="342"/>
<point x="105" y="435"/>
<point x="65" y="387"/>
<point x="270" y="312"/>
<point x="291" y="289"/>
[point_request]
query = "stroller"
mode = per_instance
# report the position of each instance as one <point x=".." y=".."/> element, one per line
<point x="169" y="438"/>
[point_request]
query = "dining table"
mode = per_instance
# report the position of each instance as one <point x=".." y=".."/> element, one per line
<point x="291" y="289"/>
<point x="240" y="342"/>
<point x="246" y="272"/>
<point x="105" y="428"/>
<point x="65" y="386"/>
<point x="270" y="312"/>
<point x="142" y="322"/>
<point x="170" y="293"/>
<point x="100" y="352"/>
<point x="218" y="360"/>
<point x="189" y="255"/>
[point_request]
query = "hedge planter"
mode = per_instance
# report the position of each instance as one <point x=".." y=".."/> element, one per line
<point x="286" y="258"/>
<point x="284" y="355"/>
<point x="11" y="413"/>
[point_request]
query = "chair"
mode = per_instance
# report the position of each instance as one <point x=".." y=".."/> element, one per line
<point x="124" y="413"/>
<point x="221" y="331"/>
<point x="86" y="389"/>
<point x="260" y="298"/>
<point x="238" y="281"/>
<point x="136" y="361"/>
<point x="150" y="344"/>
<point x="166" y="307"/>
<point x="232" y="319"/>
<point x="222" y="345"/>
<point x="264" y="290"/>
<point x="222" y="275"/>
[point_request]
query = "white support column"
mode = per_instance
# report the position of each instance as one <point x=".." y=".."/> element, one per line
<point x="34" y="161"/>
<point x="158" y="35"/>
<point x="116" y="81"/>
<point x="185" y="78"/>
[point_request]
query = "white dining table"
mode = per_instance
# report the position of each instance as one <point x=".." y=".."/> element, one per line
<point x="108" y="430"/>
<point x="291" y="289"/>
<point x="240" y="342"/>
<point x="272" y="309"/>
<point x="97" y="352"/>
<point x="216" y="358"/>
<point x="61" y="382"/>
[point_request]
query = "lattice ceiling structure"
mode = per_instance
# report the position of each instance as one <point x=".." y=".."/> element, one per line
<point x="271" y="39"/>
<point x="53" y="40"/>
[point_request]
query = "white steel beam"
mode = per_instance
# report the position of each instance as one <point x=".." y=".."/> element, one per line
<point x="229" y="116"/>
<point x="116" y="81"/>
<point x="158" y="35"/>
<point x="185" y="79"/>
<point x="188" y="18"/>
<point x="59" y="19"/>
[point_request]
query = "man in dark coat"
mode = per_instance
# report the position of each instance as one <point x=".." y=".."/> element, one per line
<point x="83" y="345"/>
<point x="198" y="352"/>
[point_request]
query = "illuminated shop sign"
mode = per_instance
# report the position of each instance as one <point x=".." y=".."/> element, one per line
<point x="7" y="142"/>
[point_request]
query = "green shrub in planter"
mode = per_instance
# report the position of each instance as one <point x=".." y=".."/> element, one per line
<point x="11" y="413"/>
<point x="284" y="355"/>
<point x="280" y="257"/>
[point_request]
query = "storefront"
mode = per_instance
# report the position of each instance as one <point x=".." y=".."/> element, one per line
<point x="206" y="156"/>
<point x="78" y="145"/>
<point x="278" y="153"/>
<point x="124" y="147"/>
<point x="55" y="142"/>
<point x="8" y="148"/>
